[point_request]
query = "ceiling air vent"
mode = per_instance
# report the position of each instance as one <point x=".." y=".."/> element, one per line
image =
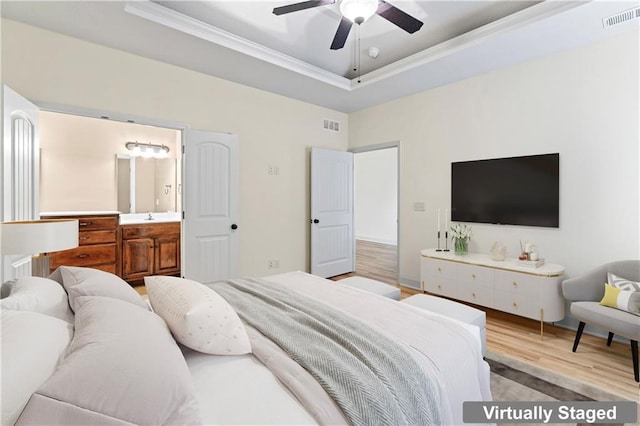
<point x="621" y="17"/>
<point x="331" y="125"/>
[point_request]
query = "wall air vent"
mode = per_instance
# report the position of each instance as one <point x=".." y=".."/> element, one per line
<point x="331" y="125"/>
<point x="621" y="17"/>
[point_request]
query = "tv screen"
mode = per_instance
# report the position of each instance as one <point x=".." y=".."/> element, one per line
<point x="509" y="191"/>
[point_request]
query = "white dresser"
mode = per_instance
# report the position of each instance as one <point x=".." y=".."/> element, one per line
<point x="502" y="285"/>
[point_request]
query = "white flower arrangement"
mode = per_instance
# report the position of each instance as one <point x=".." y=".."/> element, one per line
<point x="459" y="231"/>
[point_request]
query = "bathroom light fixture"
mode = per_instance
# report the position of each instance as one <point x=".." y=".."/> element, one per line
<point x="148" y="150"/>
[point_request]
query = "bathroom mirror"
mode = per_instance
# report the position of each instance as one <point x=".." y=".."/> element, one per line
<point x="146" y="184"/>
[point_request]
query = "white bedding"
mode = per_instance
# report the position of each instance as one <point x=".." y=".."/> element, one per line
<point x="241" y="390"/>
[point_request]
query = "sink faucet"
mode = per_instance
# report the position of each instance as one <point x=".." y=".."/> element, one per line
<point x="150" y="217"/>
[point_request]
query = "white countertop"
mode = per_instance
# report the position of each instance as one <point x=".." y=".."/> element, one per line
<point x="511" y="264"/>
<point x="143" y="218"/>
<point x="80" y="213"/>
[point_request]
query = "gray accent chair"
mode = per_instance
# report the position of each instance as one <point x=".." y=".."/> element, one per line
<point x="585" y="293"/>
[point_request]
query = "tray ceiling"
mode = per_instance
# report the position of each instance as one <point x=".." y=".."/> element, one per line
<point x="243" y="41"/>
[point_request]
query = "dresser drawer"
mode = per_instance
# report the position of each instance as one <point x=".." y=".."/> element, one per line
<point x="518" y="304"/>
<point x="475" y="275"/>
<point x="91" y="223"/>
<point x="96" y="237"/>
<point x="517" y="283"/>
<point x="439" y="285"/>
<point x="439" y="268"/>
<point x="481" y="295"/>
<point x="84" y="256"/>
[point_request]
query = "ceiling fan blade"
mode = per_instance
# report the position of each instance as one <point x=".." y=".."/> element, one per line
<point x="398" y="17"/>
<point x="341" y="34"/>
<point x="301" y="6"/>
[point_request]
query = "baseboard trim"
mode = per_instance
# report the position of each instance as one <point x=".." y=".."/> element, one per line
<point x="407" y="282"/>
<point x="377" y="240"/>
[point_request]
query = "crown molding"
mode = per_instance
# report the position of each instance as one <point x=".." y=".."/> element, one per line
<point x="169" y="18"/>
<point x="505" y="25"/>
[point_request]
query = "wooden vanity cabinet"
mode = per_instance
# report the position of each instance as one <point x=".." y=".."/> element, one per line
<point x="98" y="243"/>
<point x="150" y="249"/>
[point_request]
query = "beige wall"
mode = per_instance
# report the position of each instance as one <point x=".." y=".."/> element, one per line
<point x="582" y="103"/>
<point x="273" y="130"/>
<point x="78" y="160"/>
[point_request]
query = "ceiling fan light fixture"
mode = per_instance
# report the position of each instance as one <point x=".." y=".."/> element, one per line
<point x="358" y="11"/>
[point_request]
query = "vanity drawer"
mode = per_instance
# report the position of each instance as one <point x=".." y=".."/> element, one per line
<point x="156" y="230"/>
<point x="84" y="256"/>
<point x="96" y="237"/>
<point x="88" y="223"/>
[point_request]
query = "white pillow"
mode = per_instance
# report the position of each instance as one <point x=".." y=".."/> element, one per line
<point x="197" y="316"/>
<point x="32" y="345"/>
<point x="122" y="367"/>
<point x="94" y="282"/>
<point x="39" y="295"/>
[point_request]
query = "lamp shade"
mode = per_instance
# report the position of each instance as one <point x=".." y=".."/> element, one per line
<point x="38" y="236"/>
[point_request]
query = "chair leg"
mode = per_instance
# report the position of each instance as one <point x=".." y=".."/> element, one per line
<point x="609" y="339"/>
<point x="578" y="335"/>
<point x="634" y="355"/>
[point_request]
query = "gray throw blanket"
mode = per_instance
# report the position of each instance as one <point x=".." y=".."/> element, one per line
<point x="373" y="379"/>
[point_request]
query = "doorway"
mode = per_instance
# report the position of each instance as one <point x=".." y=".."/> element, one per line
<point x="376" y="194"/>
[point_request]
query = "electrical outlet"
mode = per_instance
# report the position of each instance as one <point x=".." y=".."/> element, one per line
<point x="273" y="264"/>
<point x="273" y="170"/>
<point x="418" y="206"/>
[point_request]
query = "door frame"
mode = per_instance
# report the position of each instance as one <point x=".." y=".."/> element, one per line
<point x="378" y="147"/>
<point x="126" y="118"/>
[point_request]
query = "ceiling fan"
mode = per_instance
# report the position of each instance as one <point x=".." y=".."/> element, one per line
<point x="357" y="11"/>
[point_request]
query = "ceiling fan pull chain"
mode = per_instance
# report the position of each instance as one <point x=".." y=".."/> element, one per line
<point x="358" y="52"/>
<point x="354" y="53"/>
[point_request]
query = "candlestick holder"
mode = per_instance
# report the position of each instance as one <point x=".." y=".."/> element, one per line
<point x="438" y="249"/>
<point x="446" y="241"/>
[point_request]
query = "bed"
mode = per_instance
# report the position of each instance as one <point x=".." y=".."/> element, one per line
<point x="82" y="347"/>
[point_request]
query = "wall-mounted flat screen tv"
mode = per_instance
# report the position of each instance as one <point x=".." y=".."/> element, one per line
<point x="509" y="191"/>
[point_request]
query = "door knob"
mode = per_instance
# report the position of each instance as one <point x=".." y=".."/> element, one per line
<point x="316" y="221"/>
<point x="234" y="226"/>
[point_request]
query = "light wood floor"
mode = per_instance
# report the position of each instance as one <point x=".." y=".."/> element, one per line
<point x="608" y="368"/>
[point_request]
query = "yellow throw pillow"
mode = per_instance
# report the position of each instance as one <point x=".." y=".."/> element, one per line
<point x="621" y="299"/>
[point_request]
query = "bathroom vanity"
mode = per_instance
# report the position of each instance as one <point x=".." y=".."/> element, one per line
<point x="131" y="246"/>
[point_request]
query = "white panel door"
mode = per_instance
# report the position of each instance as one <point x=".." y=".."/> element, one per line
<point x="332" y="237"/>
<point x="210" y="204"/>
<point x="20" y="172"/>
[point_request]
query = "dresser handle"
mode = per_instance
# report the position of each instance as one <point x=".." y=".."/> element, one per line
<point x="82" y="256"/>
<point x="474" y="276"/>
<point x="439" y="287"/>
<point x="474" y="295"/>
<point x="515" y="305"/>
<point x="83" y="238"/>
<point x="515" y="284"/>
<point x="439" y="270"/>
<point x="85" y="223"/>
